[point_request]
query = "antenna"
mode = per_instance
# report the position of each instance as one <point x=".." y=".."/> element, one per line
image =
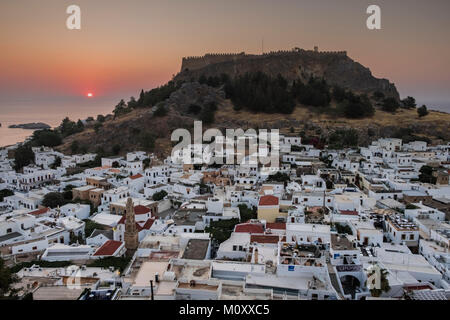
<point x="262" y="46"/>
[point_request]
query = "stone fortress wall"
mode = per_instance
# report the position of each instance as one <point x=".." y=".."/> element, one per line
<point x="198" y="62"/>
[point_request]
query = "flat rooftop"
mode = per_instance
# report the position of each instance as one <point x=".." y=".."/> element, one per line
<point x="147" y="272"/>
<point x="341" y="243"/>
<point x="196" y="249"/>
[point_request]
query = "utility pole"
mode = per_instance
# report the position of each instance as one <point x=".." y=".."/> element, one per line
<point x="151" y="289"/>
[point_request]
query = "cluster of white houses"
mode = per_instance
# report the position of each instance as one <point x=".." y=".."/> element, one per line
<point x="333" y="226"/>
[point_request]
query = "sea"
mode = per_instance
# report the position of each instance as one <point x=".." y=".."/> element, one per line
<point x="51" y="115"/>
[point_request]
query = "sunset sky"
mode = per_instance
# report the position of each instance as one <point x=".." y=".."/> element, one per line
<point x="124" y="46"/>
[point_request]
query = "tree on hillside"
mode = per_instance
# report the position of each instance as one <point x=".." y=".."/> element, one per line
<point x="315" y="92"/>
<point x="422" y="111"/>
<point x="132" y="103"/>
<point x="46" y="137"/>
<point x="160" y="111"/>
<point x="259" y="92"/>
<point x="74" y="147"/>
<point x="147" y="141"/>
<point x="390" y="105"/>
<point x="97" y="127"/>
<point x="121" y="108"/>
<point x="354" y="106"/>
<point x="140" y="101"/>
<point x="338" y="94"/>
<point x="69" y="127"/>
<point x="409" y="102"/>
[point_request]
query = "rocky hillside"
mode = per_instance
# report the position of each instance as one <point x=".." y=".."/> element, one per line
<point x="141" y="129"/>
<point x="335" y="67"/>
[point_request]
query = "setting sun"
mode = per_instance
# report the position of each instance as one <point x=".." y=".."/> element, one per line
<point x="90" y="95"/>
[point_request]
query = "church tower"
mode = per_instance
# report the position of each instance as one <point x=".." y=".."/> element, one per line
<point x="131" y="232"/>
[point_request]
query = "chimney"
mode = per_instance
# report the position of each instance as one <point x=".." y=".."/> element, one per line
<point x="256" y="256"/>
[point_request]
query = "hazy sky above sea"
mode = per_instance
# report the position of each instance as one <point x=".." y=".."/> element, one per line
<point x="124" y="46"/>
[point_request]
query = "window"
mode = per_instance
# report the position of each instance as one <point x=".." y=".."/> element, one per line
<point x="411" y="237"/>
<point x="234" y="248"/>
<point x="403" y="236"/>
<point x="9" y="230"/>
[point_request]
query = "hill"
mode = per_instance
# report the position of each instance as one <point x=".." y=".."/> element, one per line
<point x="335" y="67"/>
<point x="142" y="129"/>
<point x="325" y="97"/>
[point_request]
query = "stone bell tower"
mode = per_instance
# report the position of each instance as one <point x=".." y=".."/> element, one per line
<point x="131" y="232"/>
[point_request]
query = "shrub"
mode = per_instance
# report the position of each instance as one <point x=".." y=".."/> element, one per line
<point x="158" y="196"/>
<point x="194" y="109"/>
<point x="221" y="230"/>
<point x="259" y="92"/>
<point x="117" y="262"/>
<point x="390" y="105"/>
<point x="5" y="193"/>
<point x="160" y="111"/>
<point x="147" y="141"/>
<point x="74" y="147"/>
<point x="48" y="138"/>
<point x="422" y="111"/>
<point x="23" y="156"/>
<point x="409" y="102"/>
<point x="53" y="200"/>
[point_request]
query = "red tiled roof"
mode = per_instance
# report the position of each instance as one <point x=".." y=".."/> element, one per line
<point x="349" y="212"/>
<point x="136" y="176"/>
<point x="141" y="210"/>
<point x="108" y="248"/>
<point x="148" y="224"/>
<point x="122" y="221"/>
<point x="39" y="212"/>
<point x="249" y="228"/>
<point x="268" y="201"/>
<point x="276" y="225"/>
<point x="264" y="238"/>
